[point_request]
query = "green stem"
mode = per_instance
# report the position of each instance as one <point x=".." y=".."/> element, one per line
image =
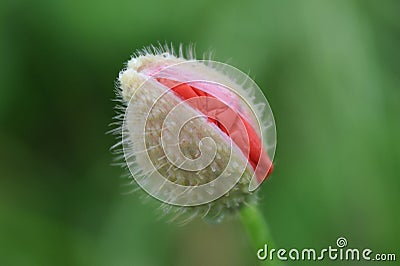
<point x="258" y="231"/>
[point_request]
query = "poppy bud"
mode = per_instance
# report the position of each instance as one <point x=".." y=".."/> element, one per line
<point x="197" y="134"/>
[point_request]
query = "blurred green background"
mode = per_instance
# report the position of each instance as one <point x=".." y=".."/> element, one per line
<point x="330" y="70"/>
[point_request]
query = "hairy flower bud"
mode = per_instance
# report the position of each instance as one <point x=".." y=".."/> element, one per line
<point x="198" y="135"/>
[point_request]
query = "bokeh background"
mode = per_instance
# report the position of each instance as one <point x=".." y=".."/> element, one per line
<point x="330" y="70"/>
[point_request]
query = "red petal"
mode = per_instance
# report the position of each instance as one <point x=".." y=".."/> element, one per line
<point x="245" y="138"/>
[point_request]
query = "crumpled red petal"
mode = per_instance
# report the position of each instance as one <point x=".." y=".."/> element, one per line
<point x="226" y="119"/>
